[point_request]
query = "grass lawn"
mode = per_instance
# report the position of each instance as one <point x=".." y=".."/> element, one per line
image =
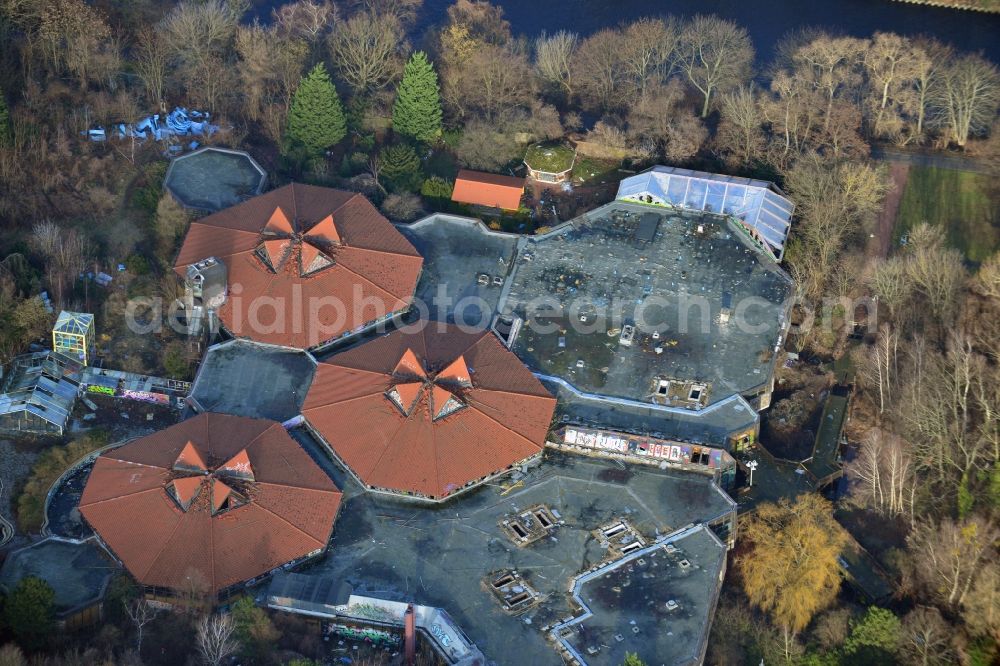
<point x="550" y="156"/>
<point x="588" y="170"/>
<point x="959" y="201"/>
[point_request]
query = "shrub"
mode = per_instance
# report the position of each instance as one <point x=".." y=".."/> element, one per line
<point x="146" y="196"/>
<point x="174" y="361"/>
<point x="49" y="466"/>
<point x="403" y="207"/>
<point x="137" y="264"/>
<point x="483" y="146"/>
<point x="400" y="167"/>
<point x="29" y="612"/>
<point x="437" y="188"/>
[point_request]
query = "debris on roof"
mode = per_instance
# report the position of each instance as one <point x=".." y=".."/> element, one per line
<point x="428" y="413"/>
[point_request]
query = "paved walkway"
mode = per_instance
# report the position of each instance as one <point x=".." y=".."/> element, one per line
<point x="939" y="160"/>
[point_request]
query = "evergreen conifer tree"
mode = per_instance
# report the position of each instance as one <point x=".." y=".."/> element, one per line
<point x="417" y="111"/>
<point x="316" y="119"/>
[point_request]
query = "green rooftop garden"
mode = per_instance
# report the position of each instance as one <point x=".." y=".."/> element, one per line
<point x="550" y="156"/>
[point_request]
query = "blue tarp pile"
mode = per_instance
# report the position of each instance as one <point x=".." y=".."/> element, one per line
<point x="179" y="122"/>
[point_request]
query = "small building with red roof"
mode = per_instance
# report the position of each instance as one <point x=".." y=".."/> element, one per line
<point x="428" y="413"/>
<point x="209" y="504"/>
<point x="488" y="189"/>
<point x="303" y="265"/>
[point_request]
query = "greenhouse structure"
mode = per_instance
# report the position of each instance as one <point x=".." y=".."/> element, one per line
<point x="758" y="205"/>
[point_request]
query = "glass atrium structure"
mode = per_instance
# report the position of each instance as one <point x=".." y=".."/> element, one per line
<point x="758" y="204"/>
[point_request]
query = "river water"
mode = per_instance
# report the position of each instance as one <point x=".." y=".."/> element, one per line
<point x="766" y="20"/>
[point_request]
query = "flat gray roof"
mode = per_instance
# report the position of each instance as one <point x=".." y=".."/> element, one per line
<point x="626" y="605"/>
<point x="212" y="178"/>
<point x="712" y="425"/>
<point x="77" y="571"/>
<point x="255" y="380"/>
<point x="671" y="289"/>
<point x="457" y="251"/>
<point x="438" y="555"/>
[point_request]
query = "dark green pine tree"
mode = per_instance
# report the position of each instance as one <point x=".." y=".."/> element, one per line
<point x="417" y="112"/>
<point x="316" y="119"/>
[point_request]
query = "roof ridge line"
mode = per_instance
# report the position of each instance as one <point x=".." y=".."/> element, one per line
<point x="394" y="252"/>
<point x="352" y="272"/>
<point x="547" y="396"/>
<point x="258" y="436"/>
<point x="118" y="497"/>
<point x="340" y="402"/>
<point x="285" y="485"/>
<point x="289" y="523"/>
<point x="508" y="428"/>
<point x="389" y="441"/>
<point x="211" y="530"/>
<point x="166" y="542"/>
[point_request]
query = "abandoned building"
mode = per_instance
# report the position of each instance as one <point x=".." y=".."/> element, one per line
<point x="488" y="190"/>
<point x="559" y="466"/>
<point x="209" y="504"/>
<point x="428" y="413"/>
<point x="304" y="266"/>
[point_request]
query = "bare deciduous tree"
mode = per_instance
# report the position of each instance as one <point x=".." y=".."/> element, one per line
<point x="967" y="98"/>
<point x="890" y="283"/>
<point x="926" y="638"/>
<point x="600" y="72"/>
<point x="947" y="556"/>
<point x="366" y="49"/>
<point x="662" y="120"/>
<point x="554" y="57"/>
<point x="878" y="365"/>
<point x="482" y="21"/>
<point x="194" y="31"/>
<point x="932" y="56"/>
<point x="835" y="202"/>
<point x="892" y="64"/>
<point x="150" y="60"/>
<point x="648" y="47"/>
<point x="490" y="82"/>
<point x="740" y="137"/>
<point x="981" y="606"/>
<point x="65" y="252"/>
<point x="936" y="272"/>
<point x="215" y="639"/>
<point x="885" y="474"/>
<point x="714" y="55"/>
<point x="831" y="64"/>
<point x="141" y="613"/>
<point x="305" y="19"/>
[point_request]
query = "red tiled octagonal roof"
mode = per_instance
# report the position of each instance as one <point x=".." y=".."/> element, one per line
<point x="429" y="412"/>
<point x="259" y="502"/>
<point x="372" y="269"/>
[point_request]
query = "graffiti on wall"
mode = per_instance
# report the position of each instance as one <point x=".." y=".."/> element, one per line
<point x="646" y="446"/>
<point x="146" y="396"/>
<point x="129" y="394"/>
<point x="374" y="636"/>
<point x="442" y="637"/>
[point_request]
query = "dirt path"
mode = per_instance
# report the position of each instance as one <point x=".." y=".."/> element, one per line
<point x="898" y="174"/>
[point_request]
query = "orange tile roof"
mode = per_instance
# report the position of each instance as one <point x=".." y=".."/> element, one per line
<point x="465" y="426"/>
<point x="260" y="502"/>
<point x="372" y="269"/>
<point x="488" y="189"/>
